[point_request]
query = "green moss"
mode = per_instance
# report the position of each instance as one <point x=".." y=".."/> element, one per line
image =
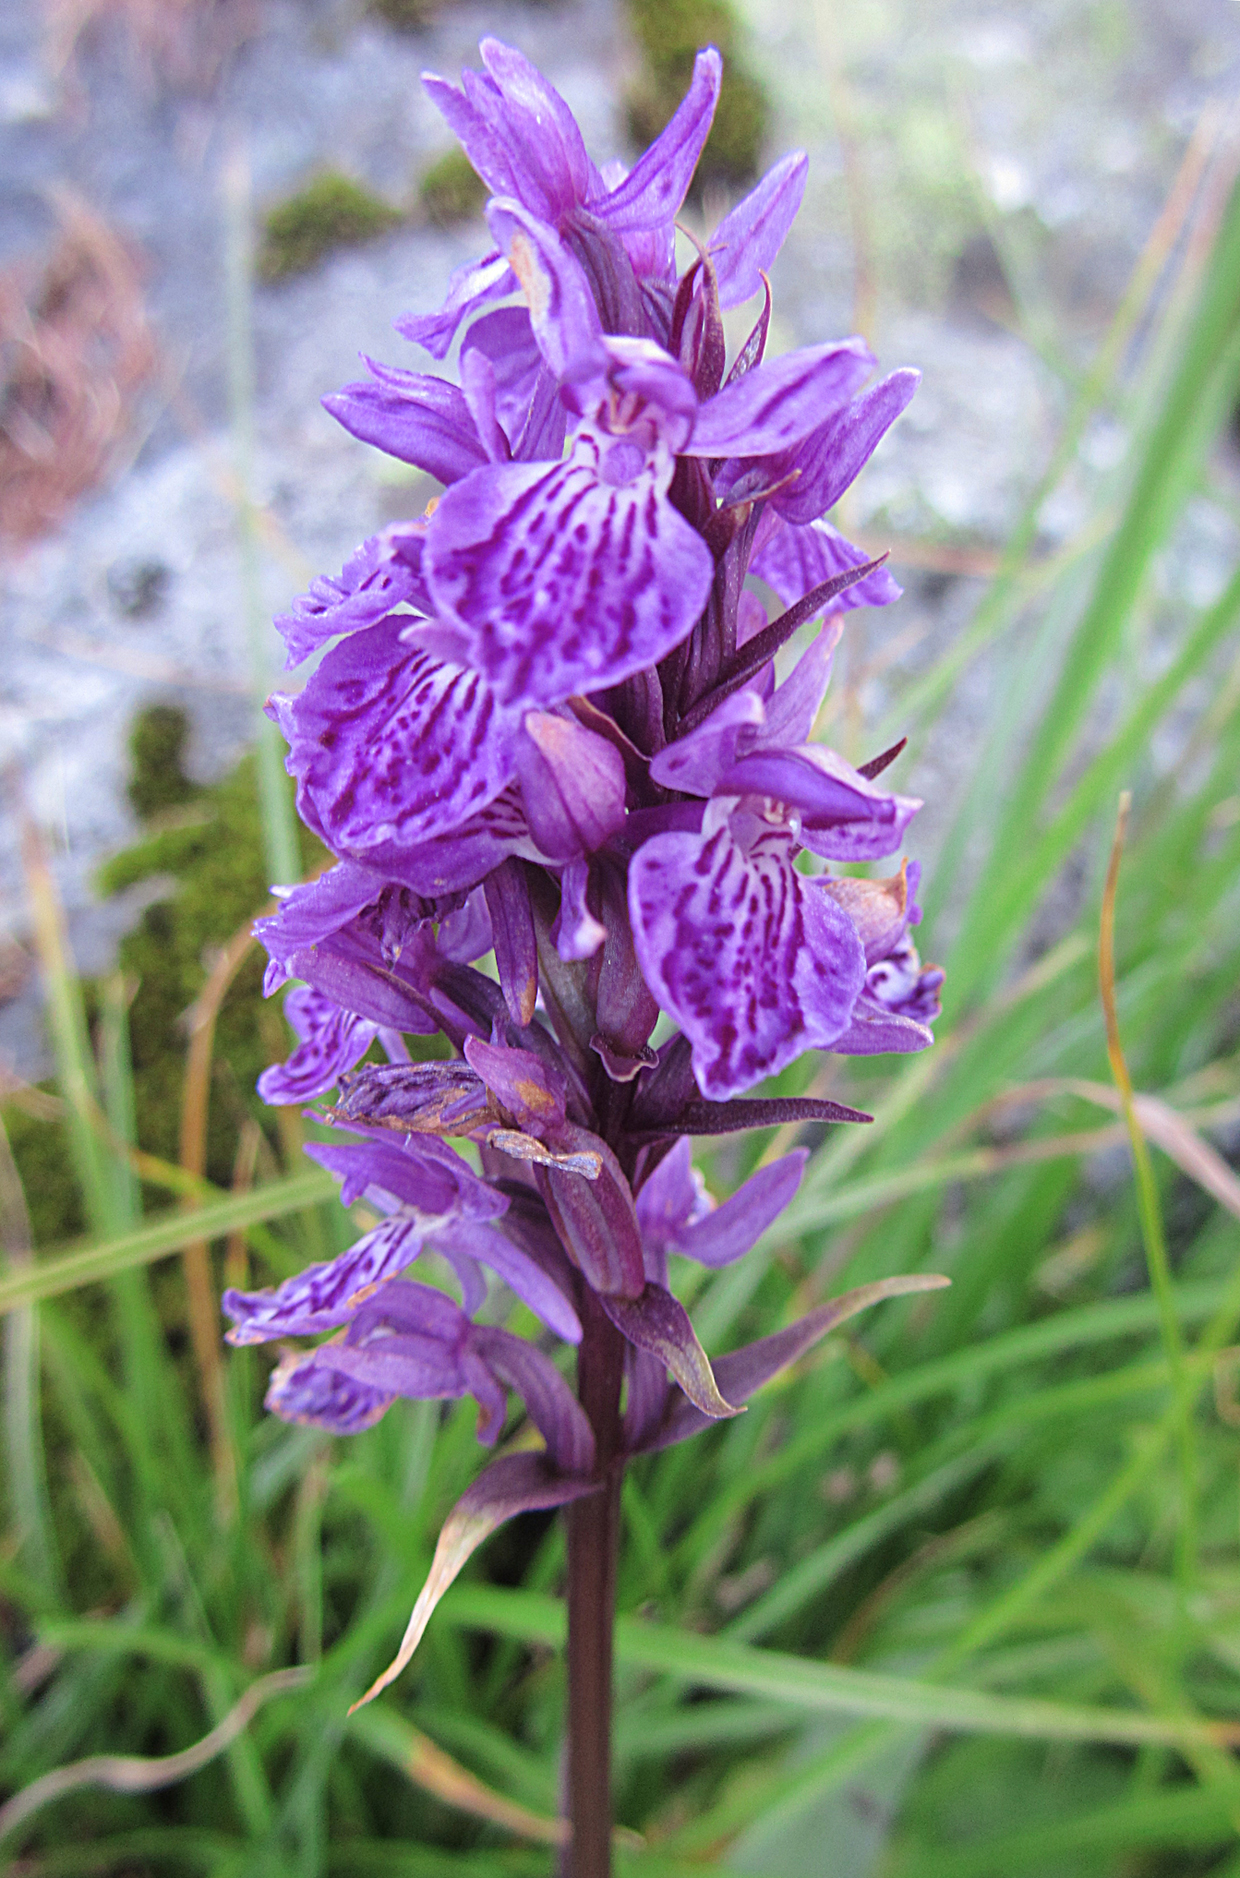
<point x="408" y="16"/>
<point x="332" y="211"/>
<point x="157" y="760"/>
<point x="670" y="33"/>
<point x="214" y="854"/>
<point x="451" y="189"/>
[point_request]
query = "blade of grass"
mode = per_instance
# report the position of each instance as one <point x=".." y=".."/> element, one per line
<point x="94" y="1261"/>
<point x="1150" y="1215"/>
<point x="826" y="1688"/>
<point x="34" y="1535"/>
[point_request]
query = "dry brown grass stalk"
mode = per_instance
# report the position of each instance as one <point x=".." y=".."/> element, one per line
<point x="75" y="352"/>
<point x="183" y="44"/>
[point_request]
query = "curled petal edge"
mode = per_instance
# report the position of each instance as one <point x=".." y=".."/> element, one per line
<point x="515" y="1483"/>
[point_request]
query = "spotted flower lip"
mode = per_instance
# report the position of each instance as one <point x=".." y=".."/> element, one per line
<point x="568" y="798"/>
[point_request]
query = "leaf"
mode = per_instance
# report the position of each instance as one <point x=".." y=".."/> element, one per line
<point x="516" y="1483"/>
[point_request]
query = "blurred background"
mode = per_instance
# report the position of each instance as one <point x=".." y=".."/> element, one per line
<point x="208" y="208"/>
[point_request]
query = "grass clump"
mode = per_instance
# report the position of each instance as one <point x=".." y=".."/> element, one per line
<point x="331" y="212"/>
<point x="451" y="190"/>
<point x="670" y="33"/>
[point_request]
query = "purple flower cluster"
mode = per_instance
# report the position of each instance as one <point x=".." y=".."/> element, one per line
<point x="548" y="730"/>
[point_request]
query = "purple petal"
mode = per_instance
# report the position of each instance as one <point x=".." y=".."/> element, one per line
<point x="754" y="967"/>
<point x="832" y="457"/>
<point x="751" y="235"/>
<point x="420" y="420"/>
<point x="521" y="1273"/>
<point x="745" y="1371"/>
<point x="654" y="189"/>
<point x="383" y="574"/>
<point x="506" y="339"/>
<point x="516" y="1483"/>
<point x="659" y="1324"/>
<point x="461" y="860"/>
<point x="780" y="402"/>
<point x="577" y="933"/>
<point x="561" y="580"/>
<point x="549" y="158"/>
<point x="318" y="908"/>
<point x="726" y="1234"/>
<point x="332" y="1041"/>
<point x="595" y="1220"/>
<point x="572" y="784"/>
<point x="349" y="967"/>
<point x="794" y="706"/>
<point x="694" y="763"/>
<point x="516" y="948"/>
<point x="391" y="746"/>
<point x="324" y="1296"/>
<point x="302" y="1390"/>
<point x="794" y="560"/>
<point x="465" y="934"/>
<point x="563" y="316"/>
<point x="472" y="286"/>
<point x="426" y="1177"/>
<point x="844" y="816"/>
<point x="672" y="1199"/>
<point x="553" y="1407"/>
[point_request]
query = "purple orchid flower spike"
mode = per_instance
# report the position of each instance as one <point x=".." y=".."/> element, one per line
<point x="566" y="770"/>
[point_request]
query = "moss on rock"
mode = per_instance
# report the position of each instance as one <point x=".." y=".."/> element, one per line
<point x="670" y="33"/>
<point x="451" y="190"/>
<point x="332" y="211"/>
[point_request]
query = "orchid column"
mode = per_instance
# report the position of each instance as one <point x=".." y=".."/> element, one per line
<point x="549" y="735"/>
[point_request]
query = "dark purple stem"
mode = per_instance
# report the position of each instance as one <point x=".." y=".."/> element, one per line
<point x="593" y="1533"/>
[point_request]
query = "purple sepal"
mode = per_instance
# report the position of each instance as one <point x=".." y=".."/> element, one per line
<point x="659" y="1324"/>
<point x="795" y="559"/>
<point x="746" y="1370"/>
<point x="595" y="1219"/>
<point x="456" y="862"/>
<point x="506" y="340"/>
<point x="875" y="1031"/>
<point x="384" y="573"/>
<point x="843" y="815"/>
<point x="305" y="1392"/>
<point x="780" y="403"/>
<point x="472" y="286"/>
<point x="532" y="1092"/>
<point x="572" y="785"/>
<point x="515" y="1483"/>
<point x="751" y="235"/>
<point x="651" y="194"/>
<point x="626" y="1011"/>
<point x="391" y="746"/>
<point x="425" y="1177"/>
<point x="532" y="1283"/>
<point x="332" y="1041"/>
<point x="577" y="933"/>
<point x="830" y="459"/>
<point x="676" y="1215"/>
<point x="417" y="419"/>
<point x="512" y="929"/>
<point x="349" y="967"/>
<point x="563" y="317"/>
<point x="322" y="907"/>
<point x="517" y="131"/>
<point x="553" y="1407"/>
<point x="565" y="579"/>
<point x="324" y="1296"/>
<point x="755" y="966"/>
